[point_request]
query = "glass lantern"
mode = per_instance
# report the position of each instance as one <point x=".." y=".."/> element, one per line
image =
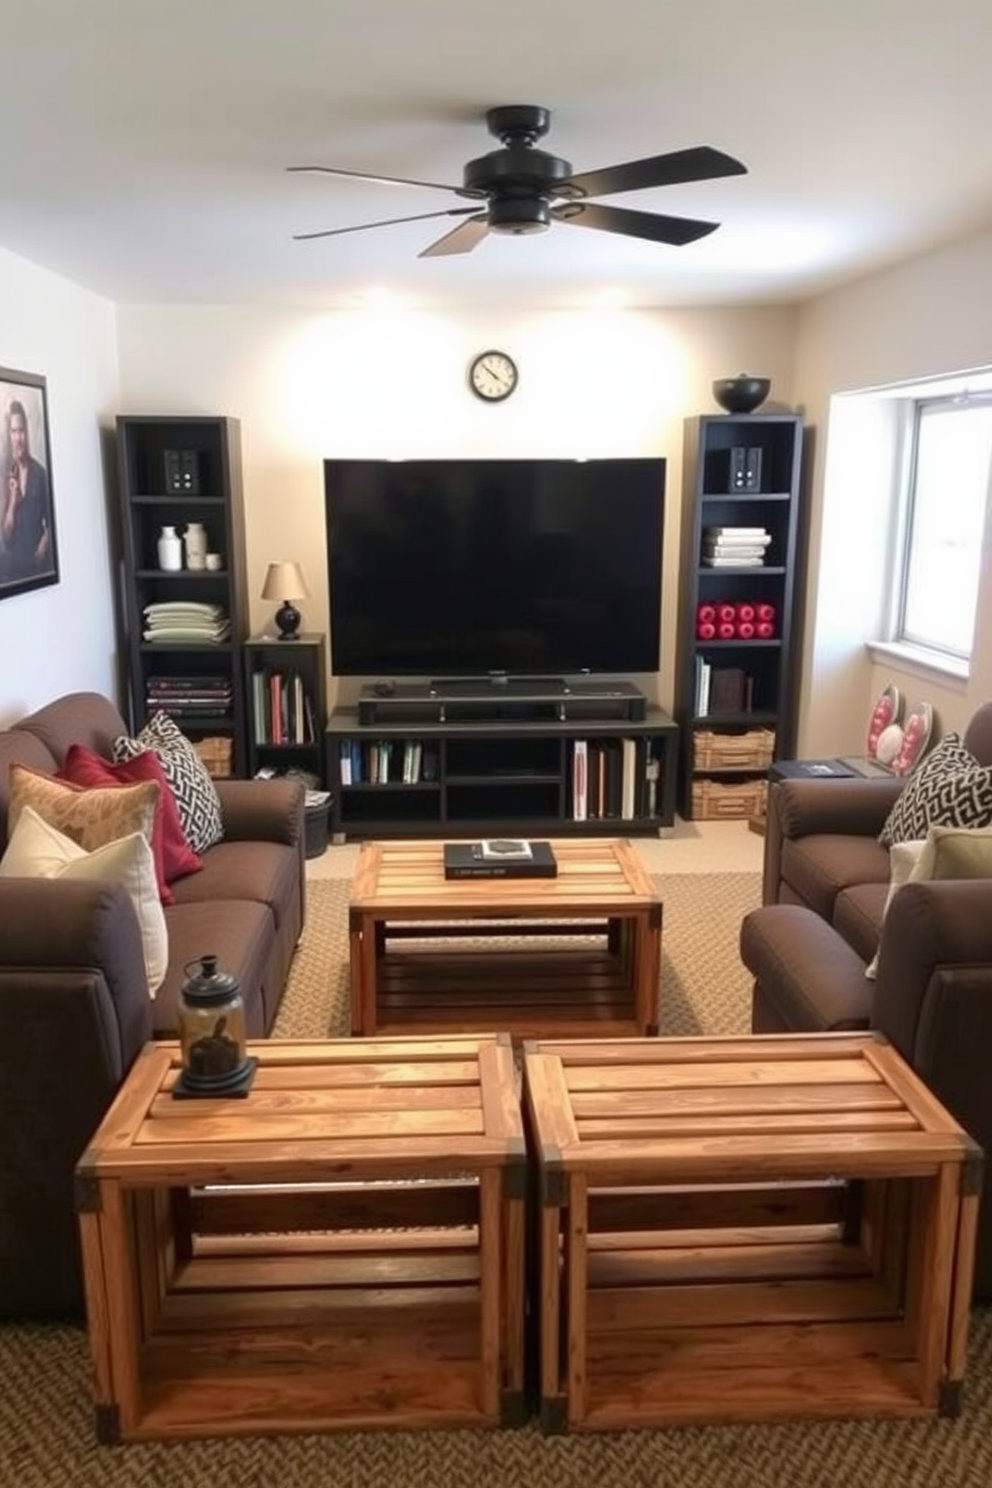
<point x="212" y="1037"/>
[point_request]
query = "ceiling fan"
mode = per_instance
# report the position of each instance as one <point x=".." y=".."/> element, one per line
<point x="521" y="189"/>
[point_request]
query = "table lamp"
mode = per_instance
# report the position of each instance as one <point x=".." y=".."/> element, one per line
<point x="285" y="582"/>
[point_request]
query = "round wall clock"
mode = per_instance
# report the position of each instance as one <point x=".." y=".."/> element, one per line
<point x="492" y="376"/>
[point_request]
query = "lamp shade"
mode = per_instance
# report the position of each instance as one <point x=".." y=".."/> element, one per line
<point x="285" y="581"/>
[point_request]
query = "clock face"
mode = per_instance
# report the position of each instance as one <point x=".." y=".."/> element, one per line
<point x="493" y="376"/>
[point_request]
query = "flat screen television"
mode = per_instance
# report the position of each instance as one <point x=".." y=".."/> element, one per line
<point x="465" y="567"/>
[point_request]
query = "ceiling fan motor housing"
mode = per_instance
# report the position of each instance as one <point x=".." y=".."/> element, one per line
<point x="518" y="181"/>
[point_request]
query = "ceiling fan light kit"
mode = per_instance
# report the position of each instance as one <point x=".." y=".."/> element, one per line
<point x="519" y="189"/>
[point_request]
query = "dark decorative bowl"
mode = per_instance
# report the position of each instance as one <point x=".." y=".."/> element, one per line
<point x="741" y="394"/>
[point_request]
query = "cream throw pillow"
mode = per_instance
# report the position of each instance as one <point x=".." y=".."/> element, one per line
<point x="90" y="816"/>
<point x="903" y="860"/>
<point x="37" y="850"/>
<point x="945" y="852"/>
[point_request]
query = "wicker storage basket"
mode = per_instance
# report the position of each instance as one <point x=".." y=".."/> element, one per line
<point x="750" y="751"/>
<point x="216" y="753"/>
<point x="713" y="800"/>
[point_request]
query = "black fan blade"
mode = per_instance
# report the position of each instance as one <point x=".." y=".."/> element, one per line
<point x="700" y="164"/>
<point x="335" y="232"/>
<point x="329" y="170"/>
<point x="651" y="225"/>
<point x="461" y="239"/>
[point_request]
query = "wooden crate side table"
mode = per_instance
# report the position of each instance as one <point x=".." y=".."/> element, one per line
<point x="593" y="971"/>
<point x="342" y="1249"/>
<point x="746" y="1229"/>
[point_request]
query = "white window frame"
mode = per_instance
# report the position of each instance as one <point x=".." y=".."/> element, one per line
<point x="898" y="644"/>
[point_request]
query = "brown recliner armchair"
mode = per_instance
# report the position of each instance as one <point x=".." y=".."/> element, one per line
<point x="823" y="917"/>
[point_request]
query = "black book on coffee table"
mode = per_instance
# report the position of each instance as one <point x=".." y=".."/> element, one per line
<point x="465" y="860"/>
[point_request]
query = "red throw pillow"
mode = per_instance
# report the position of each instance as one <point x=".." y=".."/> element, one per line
<point x="172" y="853"/>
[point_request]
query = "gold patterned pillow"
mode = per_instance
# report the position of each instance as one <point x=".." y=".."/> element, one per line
<point x="90" y="817"/>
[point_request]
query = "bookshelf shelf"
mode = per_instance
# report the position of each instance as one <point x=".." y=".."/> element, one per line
<point x="199" y="683"/>
<point x="505" y="777"/>
<point x="286" y="690"/>
<point x="736" y="684"/>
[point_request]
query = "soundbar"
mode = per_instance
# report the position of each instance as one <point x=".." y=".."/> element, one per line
<point x="484" y="699"/>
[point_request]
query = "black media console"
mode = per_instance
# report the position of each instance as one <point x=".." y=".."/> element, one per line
<point x="482" y="759"/>
<point x="497" y="698"/>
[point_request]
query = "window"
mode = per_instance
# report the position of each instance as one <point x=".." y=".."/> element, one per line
<point x="948" y="488"/>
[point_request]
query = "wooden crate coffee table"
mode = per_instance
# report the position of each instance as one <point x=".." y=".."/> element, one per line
<point x="604" y="983"/>
<point x="747" y="1229"/>
<point x="376" y="1279"/>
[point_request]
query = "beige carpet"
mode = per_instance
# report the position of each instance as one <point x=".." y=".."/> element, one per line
<point x="46" y="1436"/>
<point x="703" y="986"/>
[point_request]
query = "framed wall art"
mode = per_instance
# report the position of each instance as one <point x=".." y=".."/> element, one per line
<point x="28" y="549"/>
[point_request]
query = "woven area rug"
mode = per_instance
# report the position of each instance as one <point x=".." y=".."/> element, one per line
<point x="46" y="1419"/>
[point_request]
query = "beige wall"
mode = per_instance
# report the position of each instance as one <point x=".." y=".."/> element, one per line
<point x="61" y="638"/>
<point x="925" y="318"/>
<point x="393" y="383"/>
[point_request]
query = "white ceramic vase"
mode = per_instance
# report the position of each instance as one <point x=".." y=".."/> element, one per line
<point x="170" y="550"/>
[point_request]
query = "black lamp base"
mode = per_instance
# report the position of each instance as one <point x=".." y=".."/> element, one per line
<point x="236" y="1082"/>
<point x="288" y="620"/>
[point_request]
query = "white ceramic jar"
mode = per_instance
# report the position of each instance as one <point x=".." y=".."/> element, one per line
<point x="170" y="550"/>
<point x="196" y="545"/>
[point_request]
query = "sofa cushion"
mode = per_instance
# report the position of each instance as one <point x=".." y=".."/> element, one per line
<point x="195" y="793"/>
<point x="37" y="850"/>
<point x="819" y="866"/>
<point x="950" y="788"/>
<point x="76" y="718"/>
<point x="173" y="855"/>
<point x="238" y="933"/>
<point x="261" y="872"/>
<point x="859" y="914"/>
<point x="21" y="748"/>
<point x="90" y="817"/>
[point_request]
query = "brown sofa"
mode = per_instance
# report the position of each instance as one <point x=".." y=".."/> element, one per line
<point x="826" y="880"/>
<point x="74" y="1003"/>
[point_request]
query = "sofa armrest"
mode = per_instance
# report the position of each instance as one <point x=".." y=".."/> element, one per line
<point x="263" y="810"/>
<point x="933" y="1000"/>
<point x="802" y="808"/>
<point x="74" y="1011"/>
<point x="933" y="930"/>
<point x="69" y="931"/>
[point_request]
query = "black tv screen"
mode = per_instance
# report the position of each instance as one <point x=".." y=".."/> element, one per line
<point x="467" y="567"/>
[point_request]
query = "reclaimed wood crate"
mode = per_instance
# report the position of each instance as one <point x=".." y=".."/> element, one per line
<point x="342" y="1249"/>
<point x="720" y="800"/>
<point x="745" y="1229"/>
<point x="752" y="750"/>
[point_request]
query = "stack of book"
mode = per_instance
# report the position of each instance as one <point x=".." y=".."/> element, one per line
<point x="190" y="697"/>
<point x="735" y="547"/>
<point x="500" y="857"/>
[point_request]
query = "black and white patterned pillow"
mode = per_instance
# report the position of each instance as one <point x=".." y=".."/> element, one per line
<point x="196" y="795"/>
<point x="949" y="789"/>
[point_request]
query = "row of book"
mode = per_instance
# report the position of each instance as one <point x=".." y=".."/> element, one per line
<point x="735" y="547"/>
<point x="388" y="762"/>
<point x="282" y="708"/>
<point x="721" y="689"/>
<point x="606" y="781"/>
<point x="189" y="697"/>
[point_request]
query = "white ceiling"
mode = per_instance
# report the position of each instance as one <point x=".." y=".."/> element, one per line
<point x="145" y="141"/>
